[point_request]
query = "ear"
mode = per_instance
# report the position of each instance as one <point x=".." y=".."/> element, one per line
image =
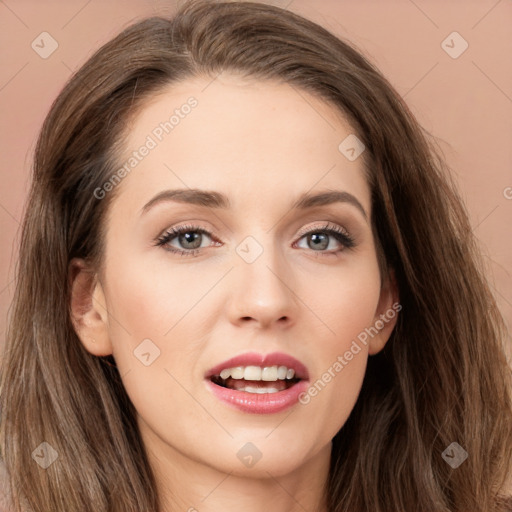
<point x="386" y="315"/>
<point x="88" y="308"/>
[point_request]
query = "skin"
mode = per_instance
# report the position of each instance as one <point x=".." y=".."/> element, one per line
<point x="262" y="144"/>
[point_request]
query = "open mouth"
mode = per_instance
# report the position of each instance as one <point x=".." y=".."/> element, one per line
<point x="254" y="386"/>
<point x="259" y="383"/>
<point x="254" y="379"/>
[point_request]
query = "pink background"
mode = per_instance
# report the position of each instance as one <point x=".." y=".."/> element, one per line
<point x="466" y="102"/>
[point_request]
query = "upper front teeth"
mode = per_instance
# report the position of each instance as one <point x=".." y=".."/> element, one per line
<point x="268" y="373"/>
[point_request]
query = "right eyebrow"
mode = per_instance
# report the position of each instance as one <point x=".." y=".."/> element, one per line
<point x="210" y="199"/>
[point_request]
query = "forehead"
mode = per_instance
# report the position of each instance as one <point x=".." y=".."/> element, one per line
<point x="242" y="136"/>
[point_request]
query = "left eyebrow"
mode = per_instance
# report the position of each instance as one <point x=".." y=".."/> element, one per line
<point x="217" y="200"/>
<point x="325" y="198"/>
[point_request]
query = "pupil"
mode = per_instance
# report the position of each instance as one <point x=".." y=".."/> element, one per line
<point x="322" y="243"/>
<point x="190" y="238"/>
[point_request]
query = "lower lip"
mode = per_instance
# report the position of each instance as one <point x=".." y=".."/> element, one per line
<point x="256" y="403"/>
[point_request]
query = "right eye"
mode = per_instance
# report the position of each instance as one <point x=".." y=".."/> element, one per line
<point x="189" y="237"/>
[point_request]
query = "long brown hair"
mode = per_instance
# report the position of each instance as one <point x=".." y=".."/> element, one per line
<point x="442" y="377"/>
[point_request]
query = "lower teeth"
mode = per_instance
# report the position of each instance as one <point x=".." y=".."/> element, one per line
<point x="256" y="389"/>
<point x="260" y="391"/>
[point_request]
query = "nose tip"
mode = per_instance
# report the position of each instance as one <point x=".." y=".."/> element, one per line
<point x="260" y="295"/>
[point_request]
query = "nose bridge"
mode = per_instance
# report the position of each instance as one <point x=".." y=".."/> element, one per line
<point x="263" y="287"/>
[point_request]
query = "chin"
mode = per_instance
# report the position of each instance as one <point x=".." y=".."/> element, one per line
<point x="261" y="457"/>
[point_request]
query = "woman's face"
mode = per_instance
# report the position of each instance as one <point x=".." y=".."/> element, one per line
<point x="251" y="273"/>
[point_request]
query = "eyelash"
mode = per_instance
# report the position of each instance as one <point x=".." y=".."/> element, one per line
<point x="329" y="229"/>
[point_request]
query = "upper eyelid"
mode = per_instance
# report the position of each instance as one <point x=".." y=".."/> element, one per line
<point x="326" y="226"/>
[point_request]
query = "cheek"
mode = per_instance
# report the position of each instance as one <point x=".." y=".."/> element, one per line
<point x="345" y="301"/>
<point x="346" y="307"/>
<point x="154" y="341"/>
<point x="147" y="300"/>
<point x="154" y="327"/>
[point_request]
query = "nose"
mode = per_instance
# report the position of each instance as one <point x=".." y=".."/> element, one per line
<point x="262" y="293"/>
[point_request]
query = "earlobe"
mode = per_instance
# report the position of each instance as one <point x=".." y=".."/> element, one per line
<point x="88" y="309"/>
<point x="386" y="314"/>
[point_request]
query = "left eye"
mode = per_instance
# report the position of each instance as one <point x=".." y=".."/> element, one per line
<point x="321" y="240"/>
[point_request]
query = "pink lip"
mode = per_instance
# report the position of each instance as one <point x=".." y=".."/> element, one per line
<point x="265" y="403"/>
<point x="255" y="359"/>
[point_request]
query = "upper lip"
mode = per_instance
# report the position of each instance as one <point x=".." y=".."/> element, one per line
<point x="255" y="359"/>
